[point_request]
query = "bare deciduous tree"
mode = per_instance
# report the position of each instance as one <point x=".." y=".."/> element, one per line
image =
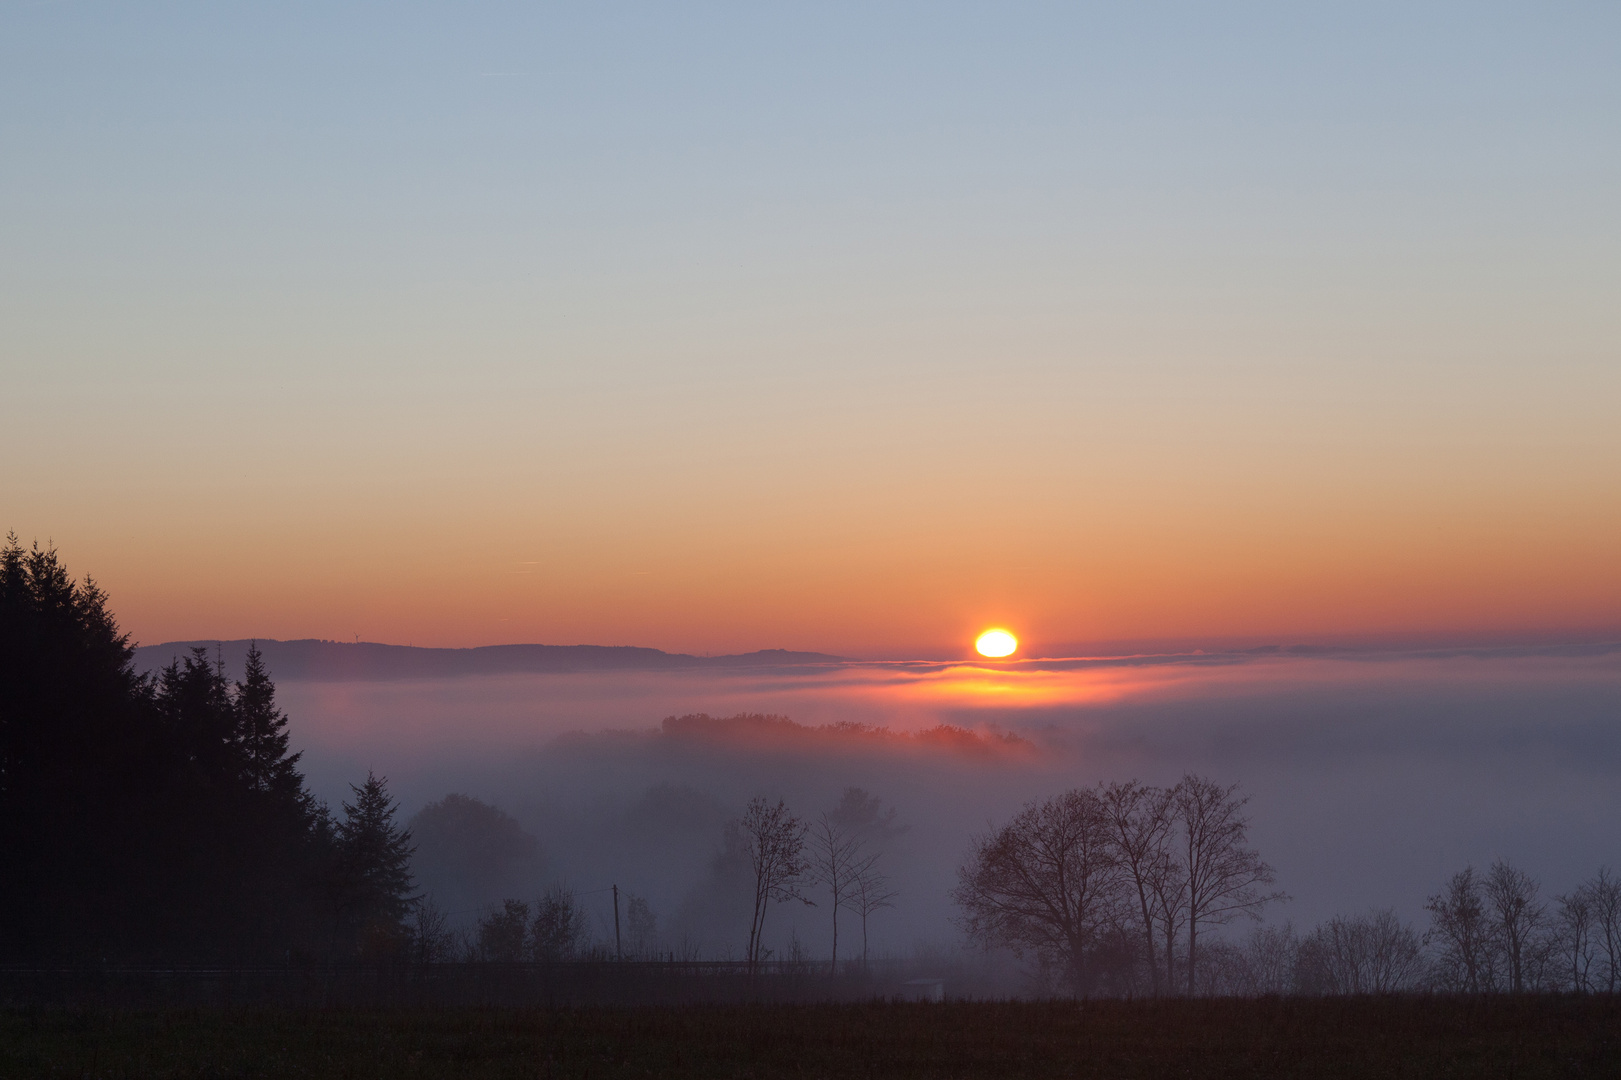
<point x="837" y="860"/>
<point x="872" y="827"/>
<point x="1223" y="876"/>
<point x="560" y="927"/>
<point x="871" y="893"/>
<point x="1604" y="896"/>
<point x="1270" y="956"/>
<point x="1518" y="922"/>
<point x="1221" y="969"/>
<point x="1463" y="934"/>
<point x="432" y="939"/>
<point x="1363" y="954"/>
<point x="775" y="842"/>
<point x="1170" y="888"/>
<point x="1142" y="823"/>
<point x="503" y="934"/>
<point x="1574" y="938"/>
<point x="1048" y="882"/>
<point x="641" y="926"/>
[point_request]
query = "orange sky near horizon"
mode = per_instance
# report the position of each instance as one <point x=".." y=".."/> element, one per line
<point x="918" y="581"/>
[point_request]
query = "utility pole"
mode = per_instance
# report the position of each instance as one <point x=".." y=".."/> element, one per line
<point x="619" y="949"/>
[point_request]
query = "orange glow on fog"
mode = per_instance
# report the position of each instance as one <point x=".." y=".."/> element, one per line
<point x="1025" y="684"/>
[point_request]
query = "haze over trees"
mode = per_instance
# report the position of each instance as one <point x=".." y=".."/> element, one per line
<point x="641" y="940"/>
<point x="469" y="853"/>
<point x="553" y="930"/>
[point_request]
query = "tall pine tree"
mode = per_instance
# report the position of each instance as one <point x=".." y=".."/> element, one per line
<point x="373" y="884"/>
<point x="194" y="699"/>
<point x="261" y="731"/>
<point x="279" y="827"/>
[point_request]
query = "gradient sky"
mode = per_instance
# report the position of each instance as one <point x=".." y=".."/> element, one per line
<point x="840" y="327"/>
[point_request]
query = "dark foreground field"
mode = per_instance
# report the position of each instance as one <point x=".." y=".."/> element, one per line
<point x="1406" y="1037"/>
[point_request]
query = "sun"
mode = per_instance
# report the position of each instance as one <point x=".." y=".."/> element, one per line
<point x="996" y="643"/>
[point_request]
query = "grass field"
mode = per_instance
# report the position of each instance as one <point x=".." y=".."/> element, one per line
<point x="1387" y="1037"/>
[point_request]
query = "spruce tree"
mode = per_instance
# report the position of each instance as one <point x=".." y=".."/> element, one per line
<point x="374" y="860"/>
<point x="261" y="731"/>
<point x="279" y="828"/>
<point x="194" y="699"/>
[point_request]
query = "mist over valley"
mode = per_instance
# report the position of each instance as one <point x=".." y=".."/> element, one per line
<point x="1373" y="773"/>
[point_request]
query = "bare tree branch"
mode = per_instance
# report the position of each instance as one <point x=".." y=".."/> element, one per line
<point x="1049" y="882"/>
<point x="1223" y="876"/>
<point x="775" y="844"/>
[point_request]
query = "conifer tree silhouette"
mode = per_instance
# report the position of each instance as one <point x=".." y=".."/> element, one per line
<point x="149" y="818"/>
<point x="374" y="862"/>
<point x="78" y="764"/>
<point x="261" y="731"/>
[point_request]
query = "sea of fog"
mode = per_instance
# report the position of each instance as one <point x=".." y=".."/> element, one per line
<point x="1372" y="775"/>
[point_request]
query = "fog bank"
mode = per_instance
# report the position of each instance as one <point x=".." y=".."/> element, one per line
<point x="1373" y="774"/>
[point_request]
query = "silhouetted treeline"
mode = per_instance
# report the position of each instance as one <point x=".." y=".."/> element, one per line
<point x="163" y="818"/>
<point x="1103" y="890"/>
<point x="1489" y="933"/>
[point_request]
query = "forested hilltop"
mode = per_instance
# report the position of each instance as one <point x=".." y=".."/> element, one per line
<point x="148" y="817"/>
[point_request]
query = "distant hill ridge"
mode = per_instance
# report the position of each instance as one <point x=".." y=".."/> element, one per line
<point x="315" y="660"/>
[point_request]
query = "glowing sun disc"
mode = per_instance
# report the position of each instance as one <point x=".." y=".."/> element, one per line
<point x="996" y="643"/>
